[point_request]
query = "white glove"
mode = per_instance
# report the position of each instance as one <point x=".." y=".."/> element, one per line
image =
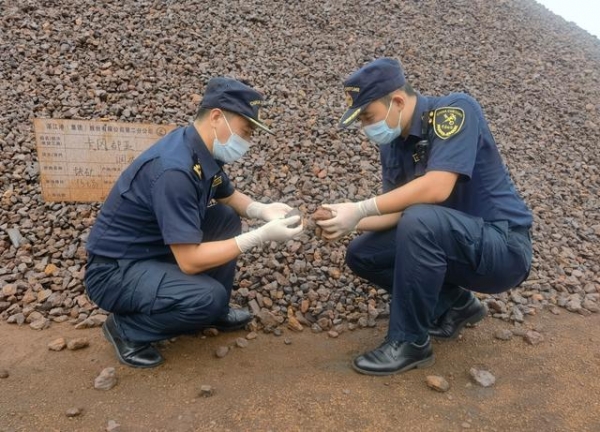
<point x="277" y="230"/>
<point x="346" y="216"/>
<point x="267" y="212"/>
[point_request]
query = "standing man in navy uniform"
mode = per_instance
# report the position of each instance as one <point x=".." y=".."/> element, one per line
<point x="162" y="257"/>
<point x="449" y="220"/>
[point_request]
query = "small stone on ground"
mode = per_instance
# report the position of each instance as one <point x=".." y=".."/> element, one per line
<point x="106" y="380"/>
<point x="482" y="377"/>
<point x="533" y="338"/>
<point x="57" y="344"/>
<point x="437" y="383"/>
<point x="113" y="426"/>
<point x="206" y="391"/>
<point x="78" y="343"/>
<point x="503" y="334"/>
<point x="222" y="351"/>
<point x="73" y="412"/>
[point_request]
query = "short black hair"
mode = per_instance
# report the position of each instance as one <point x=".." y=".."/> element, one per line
<point x="203" y="112"/>
<point x="406" y="88"/>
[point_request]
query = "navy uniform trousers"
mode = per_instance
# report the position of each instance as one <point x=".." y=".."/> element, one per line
<point x="153" y="299"/>
<point x="431" y="257"/>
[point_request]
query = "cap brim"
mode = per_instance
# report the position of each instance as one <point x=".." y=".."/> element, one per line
<point x="260" y="125"/>
<point x="349" y="117"/>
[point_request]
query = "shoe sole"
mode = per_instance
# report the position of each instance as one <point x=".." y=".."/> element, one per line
<point x="230" y="329"/>
<point x="472" y="320"/>
<point x="109" y="337"/>
<point x="429" y="361"/>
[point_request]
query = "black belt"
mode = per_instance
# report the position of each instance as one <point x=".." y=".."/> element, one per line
<point x="520" y="230"/>
<point x="99" y="259"/>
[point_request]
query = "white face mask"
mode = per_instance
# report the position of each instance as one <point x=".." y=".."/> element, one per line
<point x="380" y="133"/>
<point x="233" y="149"/>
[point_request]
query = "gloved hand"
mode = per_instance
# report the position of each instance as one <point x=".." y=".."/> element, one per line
<point x="345" y="217"/>
<point x="267" y="212"/>
<point x="278" y="230"/>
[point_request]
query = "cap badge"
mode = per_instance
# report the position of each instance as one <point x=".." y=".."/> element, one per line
<point x="349" y="100"/>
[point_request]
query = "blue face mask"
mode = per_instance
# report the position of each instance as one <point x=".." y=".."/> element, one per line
<point x="233" y="149"/>
<point x="380" y="133"/>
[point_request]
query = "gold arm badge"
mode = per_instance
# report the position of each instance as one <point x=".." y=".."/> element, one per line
<point x="448" y="121"/>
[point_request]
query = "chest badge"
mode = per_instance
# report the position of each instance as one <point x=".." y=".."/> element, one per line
<point x="448" y="121"/>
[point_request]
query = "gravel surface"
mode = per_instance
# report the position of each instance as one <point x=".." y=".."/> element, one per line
<point x="536" y="76"/>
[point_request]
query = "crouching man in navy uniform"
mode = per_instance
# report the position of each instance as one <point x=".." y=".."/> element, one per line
<point x="161" y="258"/>
<point x="448" y="223"/>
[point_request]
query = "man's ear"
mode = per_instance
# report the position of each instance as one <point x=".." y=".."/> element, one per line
<point x="214" y="115"/>
<point x="399" y="100"/>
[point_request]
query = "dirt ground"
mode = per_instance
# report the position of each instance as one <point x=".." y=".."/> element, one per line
<point x="307" y="385"/>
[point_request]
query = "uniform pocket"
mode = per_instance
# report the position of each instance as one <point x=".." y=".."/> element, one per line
<point x="520" y="247"/>
<point x="493" y="248"/>
<point x="469" y="245"/>
<point x="103" y="284"/>
<point x="394" y="171"/>
<point x="144" y="278"/>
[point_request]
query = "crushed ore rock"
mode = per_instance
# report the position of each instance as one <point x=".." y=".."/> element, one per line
<point x="294" y="325"/>
<point x="40" y="324"/>
<point x="91" y="322"/>
<point x="42" y="245"/>
<point x="268" y="319"/>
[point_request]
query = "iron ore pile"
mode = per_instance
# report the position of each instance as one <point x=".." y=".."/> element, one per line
<point x="536" y="76"/>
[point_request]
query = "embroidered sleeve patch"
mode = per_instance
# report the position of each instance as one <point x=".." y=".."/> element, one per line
<point x="448" y="121"/>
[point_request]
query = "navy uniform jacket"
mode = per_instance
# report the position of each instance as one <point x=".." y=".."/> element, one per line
<point x="160" y="199"/>
<point x="460" y="142"/>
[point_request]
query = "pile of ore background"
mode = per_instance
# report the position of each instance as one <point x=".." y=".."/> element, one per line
<point x="536" y="76"/>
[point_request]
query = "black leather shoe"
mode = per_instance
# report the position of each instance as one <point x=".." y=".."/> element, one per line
<point x="234" y="320"/>
<point x="134" y="354"/>
<point x="394" y="357"/>
<point x="449" y="325"/>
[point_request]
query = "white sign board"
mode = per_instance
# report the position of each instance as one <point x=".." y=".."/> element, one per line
<point x="80" y="160"/>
